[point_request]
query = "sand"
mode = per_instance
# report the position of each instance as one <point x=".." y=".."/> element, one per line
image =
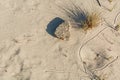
<point x="29" y="52"/>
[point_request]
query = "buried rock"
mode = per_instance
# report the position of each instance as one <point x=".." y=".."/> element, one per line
<point x="62" y="31"/>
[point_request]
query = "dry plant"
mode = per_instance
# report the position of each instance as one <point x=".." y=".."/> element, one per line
<point x="80" y="18"/>
<point x="92" y="21"/>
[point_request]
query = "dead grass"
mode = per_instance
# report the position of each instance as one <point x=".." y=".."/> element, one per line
<point x="80" y="18"/>
<point x="92" y="21"/>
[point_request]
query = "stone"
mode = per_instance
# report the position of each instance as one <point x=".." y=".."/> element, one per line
<point x="62" y="31"/>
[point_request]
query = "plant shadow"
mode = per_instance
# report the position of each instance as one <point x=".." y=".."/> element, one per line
<point x="51" y="27"/>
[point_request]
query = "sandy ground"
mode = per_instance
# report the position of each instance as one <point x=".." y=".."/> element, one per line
<point x="29" y="52"/>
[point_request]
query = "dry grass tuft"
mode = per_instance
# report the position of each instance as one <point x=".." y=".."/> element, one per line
<point x="92" y="20"/>
<point x="80" y="18"/>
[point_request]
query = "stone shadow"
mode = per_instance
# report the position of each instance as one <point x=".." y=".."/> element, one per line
<point x="51" y="27"/>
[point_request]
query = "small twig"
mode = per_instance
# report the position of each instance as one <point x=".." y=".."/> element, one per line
<point x="92" y="75"/>
<point x="109" y="25"/>
<point x="60" y="71"/>
<point x="95" y="77"/>
<point x="57" y="71"/>
<point x="106" y="8"/>
<point x="98" y="3"/>
<point x="114" y="26"/>
<point x="107" y="39"/>
<point x="116" y="17"/>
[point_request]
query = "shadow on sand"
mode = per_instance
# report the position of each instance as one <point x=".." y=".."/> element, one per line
<point x="51" y="27"/>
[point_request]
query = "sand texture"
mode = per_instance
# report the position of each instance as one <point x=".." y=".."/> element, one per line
<point x="30" y="51"/>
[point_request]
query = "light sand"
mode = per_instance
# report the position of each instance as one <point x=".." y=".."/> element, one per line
<point x="28" y="52"/>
